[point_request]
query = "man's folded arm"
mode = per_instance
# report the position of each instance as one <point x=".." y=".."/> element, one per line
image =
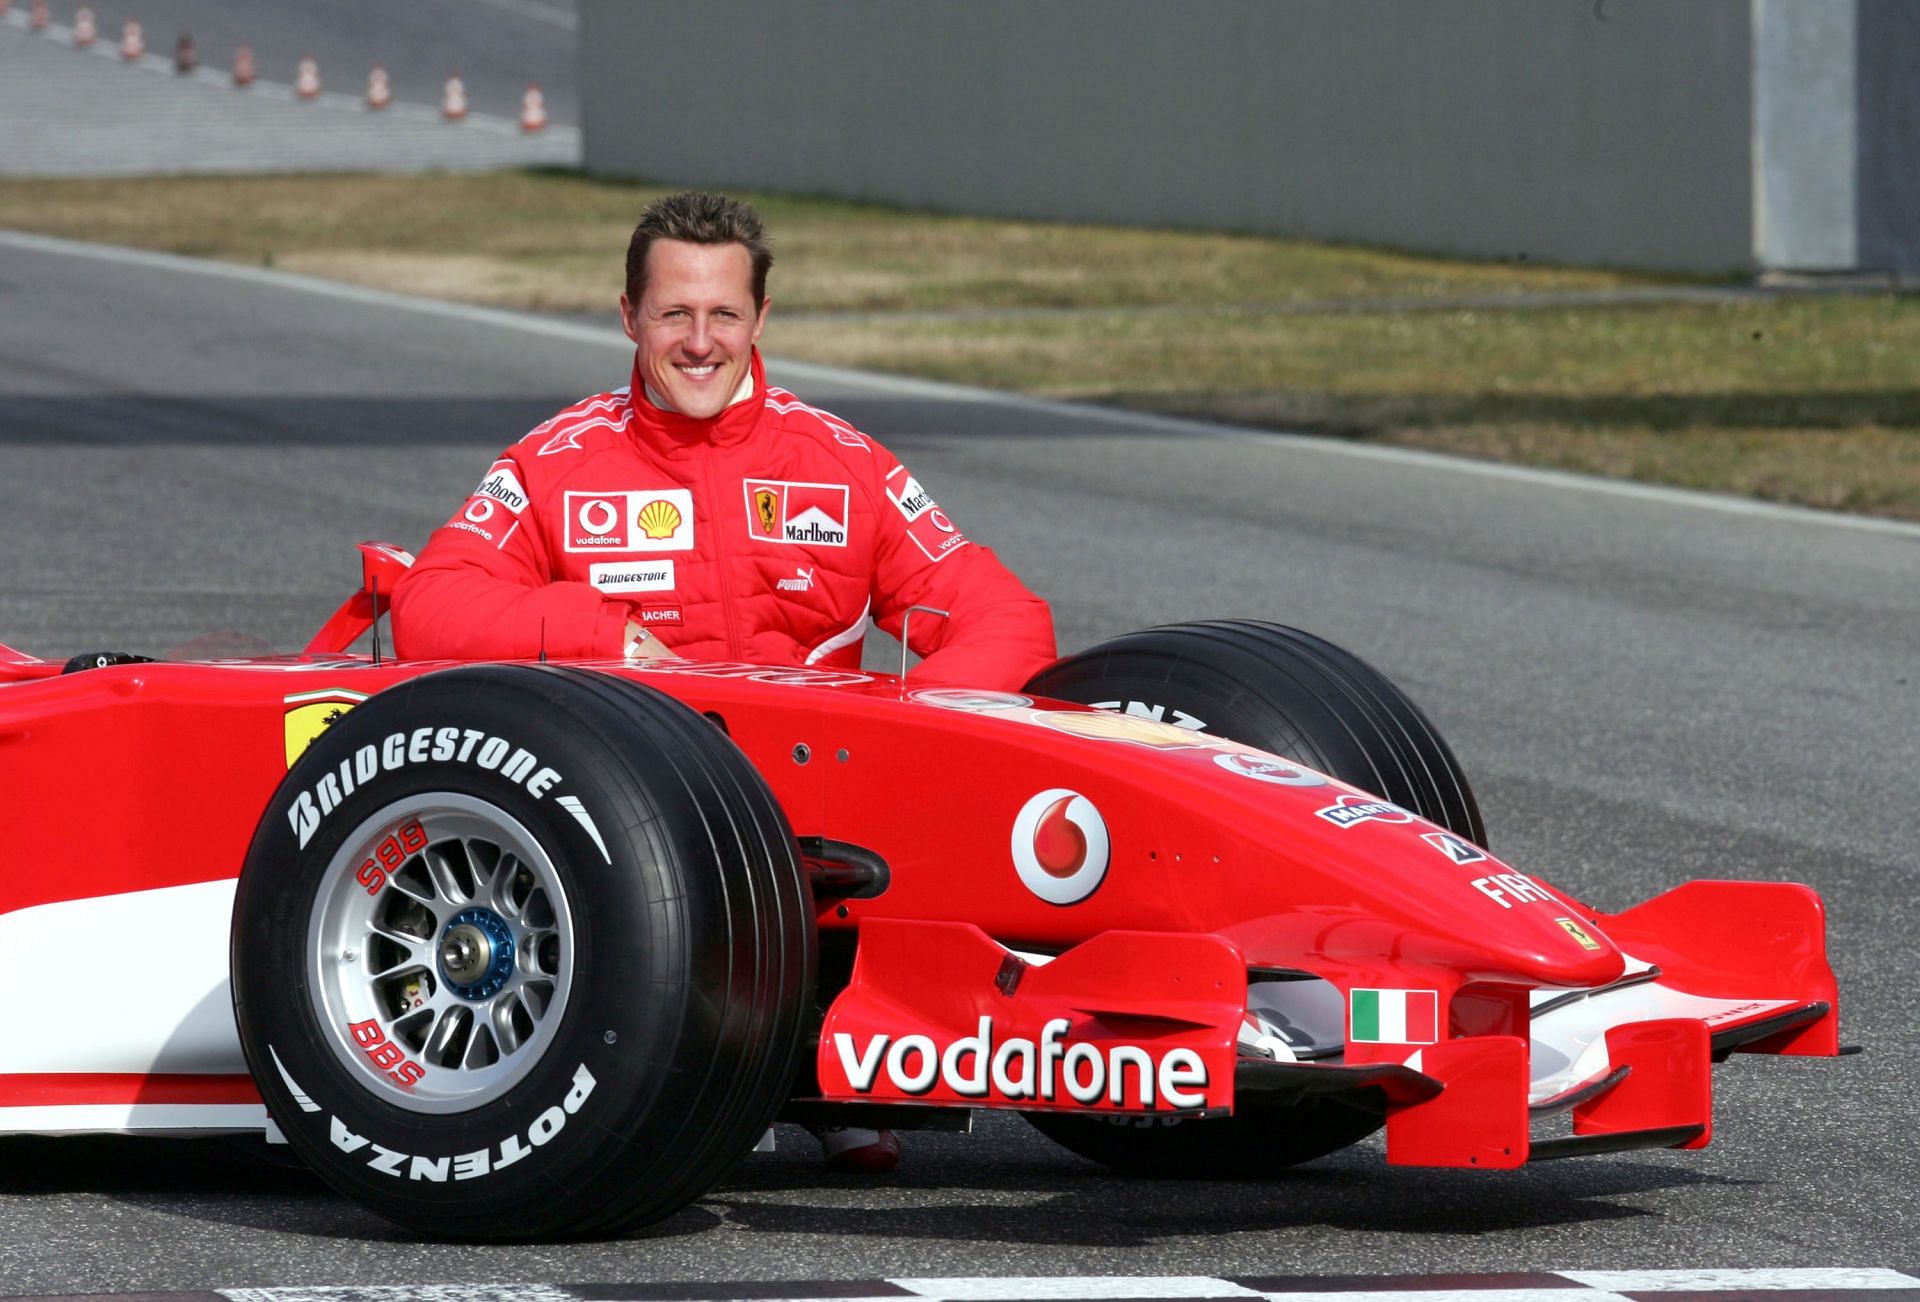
<point x="481" y="591"/>
<point x="449" y="609"/>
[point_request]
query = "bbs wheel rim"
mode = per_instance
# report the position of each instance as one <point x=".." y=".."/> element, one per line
<point x="440" y="952"/>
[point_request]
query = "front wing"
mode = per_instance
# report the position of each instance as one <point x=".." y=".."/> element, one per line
<point x="1162" y="1024"/>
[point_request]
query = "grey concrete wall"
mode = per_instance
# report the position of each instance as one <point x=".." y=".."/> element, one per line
<point x="1610" y="131"/>
<point x="1805" y="105"/>
<point x="1888" y="113"/>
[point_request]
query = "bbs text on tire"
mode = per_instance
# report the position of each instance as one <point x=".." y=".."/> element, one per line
<point x="522" y="952"/>
<point x="1303" y="698"/>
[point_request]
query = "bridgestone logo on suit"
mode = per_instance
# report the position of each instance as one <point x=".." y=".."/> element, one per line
<point x="631" y="576"/>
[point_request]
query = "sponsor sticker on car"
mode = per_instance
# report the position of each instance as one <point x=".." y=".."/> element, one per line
<point x="1509" y="889"/>
<point x="1266" y="768"/>
<point x="1060" y="846"/>
<point x="1394" y="1017"/>
<point x="1105" y="726"/>
<point x="1049" y="1069"/>
<point x="1349" y="811"/>
<point x="969" y="699"/>
<point x="1456" y="849"/>
<point x="1580" y="935"/>
<point x="311" y="713"/>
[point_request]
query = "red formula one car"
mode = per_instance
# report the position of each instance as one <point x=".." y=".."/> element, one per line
<point x="535" y="950"/>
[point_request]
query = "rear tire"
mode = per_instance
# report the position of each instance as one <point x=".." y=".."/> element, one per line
<point x="522" y="953"/>
<point x="1301" y="697"/>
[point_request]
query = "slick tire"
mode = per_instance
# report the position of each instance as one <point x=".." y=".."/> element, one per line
<point x="1283" y="691"/>
<point x="522" y="953"/>
<point x="1301" y="697"/>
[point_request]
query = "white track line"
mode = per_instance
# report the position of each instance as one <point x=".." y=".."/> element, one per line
<point x="1703" y="1281"/>
<point x="1582" y="1286"/>
<point x="932" y="390"/>
<point x="553" y="14"/>
<point x="402" y="1293"/>
<point x="1452" y="1295"/>
<point x="1067" y="1288"/>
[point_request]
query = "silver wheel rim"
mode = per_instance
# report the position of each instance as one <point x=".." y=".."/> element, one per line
<point x="440" y="952"/>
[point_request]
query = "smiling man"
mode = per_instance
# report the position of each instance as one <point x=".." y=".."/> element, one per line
<point x="699" y="512"/>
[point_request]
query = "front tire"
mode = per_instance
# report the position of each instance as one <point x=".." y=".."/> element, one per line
<point x="1298" y="696"/>
<point x="522" y="953"/>
<point x="1284" y="691"/>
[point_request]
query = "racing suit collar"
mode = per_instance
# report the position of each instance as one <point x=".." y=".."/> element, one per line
<point x="673" y="434"/>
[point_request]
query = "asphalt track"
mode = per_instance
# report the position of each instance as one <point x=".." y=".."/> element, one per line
<point x="1646" y="687"/>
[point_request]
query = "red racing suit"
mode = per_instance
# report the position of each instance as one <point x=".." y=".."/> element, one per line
<point x="772" y="533"/>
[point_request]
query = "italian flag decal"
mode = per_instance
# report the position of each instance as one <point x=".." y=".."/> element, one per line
<point x="1395" y="1017"/>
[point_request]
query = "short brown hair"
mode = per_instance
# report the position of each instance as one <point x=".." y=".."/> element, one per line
<point x="696" y="217"/>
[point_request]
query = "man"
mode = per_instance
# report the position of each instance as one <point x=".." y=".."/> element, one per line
<point x="702" y="513"/>
<point x="699" y="512"/>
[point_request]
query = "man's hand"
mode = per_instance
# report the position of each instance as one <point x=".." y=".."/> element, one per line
<point x="642" y="645"/>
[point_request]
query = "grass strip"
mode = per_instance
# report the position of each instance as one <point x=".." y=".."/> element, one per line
<point x="1803" y="399"/>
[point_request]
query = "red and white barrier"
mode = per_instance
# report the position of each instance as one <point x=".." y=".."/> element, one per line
<point x="454" y="105"/>
<point x="533" y="110"/>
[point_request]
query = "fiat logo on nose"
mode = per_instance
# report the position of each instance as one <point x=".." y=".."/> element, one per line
<point x="1060" y="846"/>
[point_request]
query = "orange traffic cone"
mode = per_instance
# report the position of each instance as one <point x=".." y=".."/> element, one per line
<point x="243" y="66"/>
<point x="85" y="30"/>
<point x="185" y="56"/>
<point x="306" y="82"/>
<point x="133" y="43"/>
<point x="533" y="110"/>
<point x="453" y="102"/>
<point x="379" y="90"/>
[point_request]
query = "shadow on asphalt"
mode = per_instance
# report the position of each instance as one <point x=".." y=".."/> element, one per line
<point x="302" y="420"/>
<point x="1003" y="1184"/>
<point x="293" y="420"/>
